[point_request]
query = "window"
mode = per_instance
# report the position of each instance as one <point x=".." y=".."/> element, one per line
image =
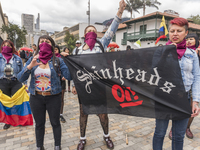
<point x="114" y="38"/>
<point x="143" y="29"/>
<point x="125" y="35"/>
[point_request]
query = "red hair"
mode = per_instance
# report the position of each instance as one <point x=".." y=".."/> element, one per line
<point x="11" y="44"/>
<point x="180" y="22"/>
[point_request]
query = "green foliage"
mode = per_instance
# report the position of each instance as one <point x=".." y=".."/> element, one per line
<point x="12" y="30"/>
<point x="134" y="5"/>
<point x="70" y="41"/>
<point x="196" y="19"/>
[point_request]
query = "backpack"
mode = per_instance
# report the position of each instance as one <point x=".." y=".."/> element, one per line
<point x="56" y="66"/>
<point x="100" y="46"/>
<point x="22" y="54"/>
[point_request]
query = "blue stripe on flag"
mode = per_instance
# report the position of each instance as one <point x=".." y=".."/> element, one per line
<point x="21" y="110"/>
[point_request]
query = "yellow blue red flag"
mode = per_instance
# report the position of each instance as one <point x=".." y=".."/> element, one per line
<point x="162" y="31"/>
<point x="16" y="110"/>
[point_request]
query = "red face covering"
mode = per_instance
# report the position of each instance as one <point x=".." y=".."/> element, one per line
<point x="45" y="53"/>
<point x="90" y="39"/>
<point x="7" y="53"/>
<point x="181" y="48"/>
<point x="57" y="55"/>
<point x="192" y="47"/>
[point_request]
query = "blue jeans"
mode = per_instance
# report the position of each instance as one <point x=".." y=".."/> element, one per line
<point x="178" y="133"/>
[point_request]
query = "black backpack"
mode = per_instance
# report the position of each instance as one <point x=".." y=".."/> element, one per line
<point x="100" y="46"/>
<point x="22" y="54"/>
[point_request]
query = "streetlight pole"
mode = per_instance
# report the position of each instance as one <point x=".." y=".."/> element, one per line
<point x="88" y="12"/>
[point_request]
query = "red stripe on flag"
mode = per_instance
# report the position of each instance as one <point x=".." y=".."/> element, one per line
<point x="161" y="37"/>
<point x="16" y="120"/>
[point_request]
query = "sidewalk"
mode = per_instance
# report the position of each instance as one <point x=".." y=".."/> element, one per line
<point x="139" y="130"/>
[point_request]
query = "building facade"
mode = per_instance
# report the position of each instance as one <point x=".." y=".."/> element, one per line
<point x="147" y="28"/>
<point x="77" y="30"/>
<point x="27" y="20"/>
<point x="3" y="21"/>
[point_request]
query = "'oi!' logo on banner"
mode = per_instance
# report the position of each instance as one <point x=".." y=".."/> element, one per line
<point x="125" y="95"/>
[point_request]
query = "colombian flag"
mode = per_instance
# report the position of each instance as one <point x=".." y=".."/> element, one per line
<point x="16" y="110"/>
<point x="162" y="31"/>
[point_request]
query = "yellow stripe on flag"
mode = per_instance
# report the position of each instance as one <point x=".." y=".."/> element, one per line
<point x="17" y="99"/>
<point x="163" y="24"/>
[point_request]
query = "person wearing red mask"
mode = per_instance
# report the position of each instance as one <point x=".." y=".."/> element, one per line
<point x="192" y="42"/>
<point x="189" y="65"/>
<point x="12" y="111"/>
<point x="89" y="47"/>
<point x="45" y="88"/>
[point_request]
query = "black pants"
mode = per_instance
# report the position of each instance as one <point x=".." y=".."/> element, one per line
<point x="39" y="104"/>
<point x="10" y="87"/>
<point x="68" y="82"/>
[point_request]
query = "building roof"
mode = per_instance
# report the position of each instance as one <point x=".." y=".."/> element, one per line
<point x="159" y="15"/>
<point x="122" y="26"/>
<point x="194" y="26"/>
<point x="153" y="15"/>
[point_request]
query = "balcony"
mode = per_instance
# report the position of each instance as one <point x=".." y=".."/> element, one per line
<point x="123" y="42"/>
<point x="149" y="35"/>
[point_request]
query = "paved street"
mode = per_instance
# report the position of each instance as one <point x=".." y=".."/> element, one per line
<point x="139" y="132"/>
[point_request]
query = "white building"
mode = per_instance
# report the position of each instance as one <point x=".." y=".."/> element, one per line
<point x="3" y="21"/>
<point x="146" y="28"/>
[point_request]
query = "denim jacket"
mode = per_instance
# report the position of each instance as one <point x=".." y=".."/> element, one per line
<point x="105" y="40"/>
<point x="189" y="65"/>
<point x="55" y="78"/>
<point x="17" y="65"/>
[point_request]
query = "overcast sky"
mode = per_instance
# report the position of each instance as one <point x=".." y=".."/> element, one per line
<point x="56" y="14"/>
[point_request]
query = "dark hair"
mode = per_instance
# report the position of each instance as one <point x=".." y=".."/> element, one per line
<point x="11" y="44"/>
<point x="160" y="45"/>
<point x="180" y="22"/>
<point x="45" y="37"/>
<point x="65" y="48"/>
<point x="56" y="46"/>
<point x="128" y="47"/>
<point x="52" y="45"/>
<point x="34" y="45"/>
<point x="88" y="27"/>
<point x="193" y="35"/>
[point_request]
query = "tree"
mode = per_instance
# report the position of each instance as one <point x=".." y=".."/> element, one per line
<point x="195" y="19"/>
<point x="133" y="5"/>
<point x="70" y="40"/>
<point x="149" y="3"/>
<point x="15" y="33"/>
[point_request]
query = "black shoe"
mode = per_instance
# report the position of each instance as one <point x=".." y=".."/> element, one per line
<point x="109" y="142"/>
<point x="81" y="145"/>
<point x="57" y="148"/>
<point x="40" y="148"/>
<point x="62" y="119"/>
<point x="6" y="126"/>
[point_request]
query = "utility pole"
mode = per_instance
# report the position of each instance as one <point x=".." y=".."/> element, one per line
<point x="88" y="12"/>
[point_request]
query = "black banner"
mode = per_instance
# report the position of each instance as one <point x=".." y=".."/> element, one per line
<point x="144" y="82"/>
